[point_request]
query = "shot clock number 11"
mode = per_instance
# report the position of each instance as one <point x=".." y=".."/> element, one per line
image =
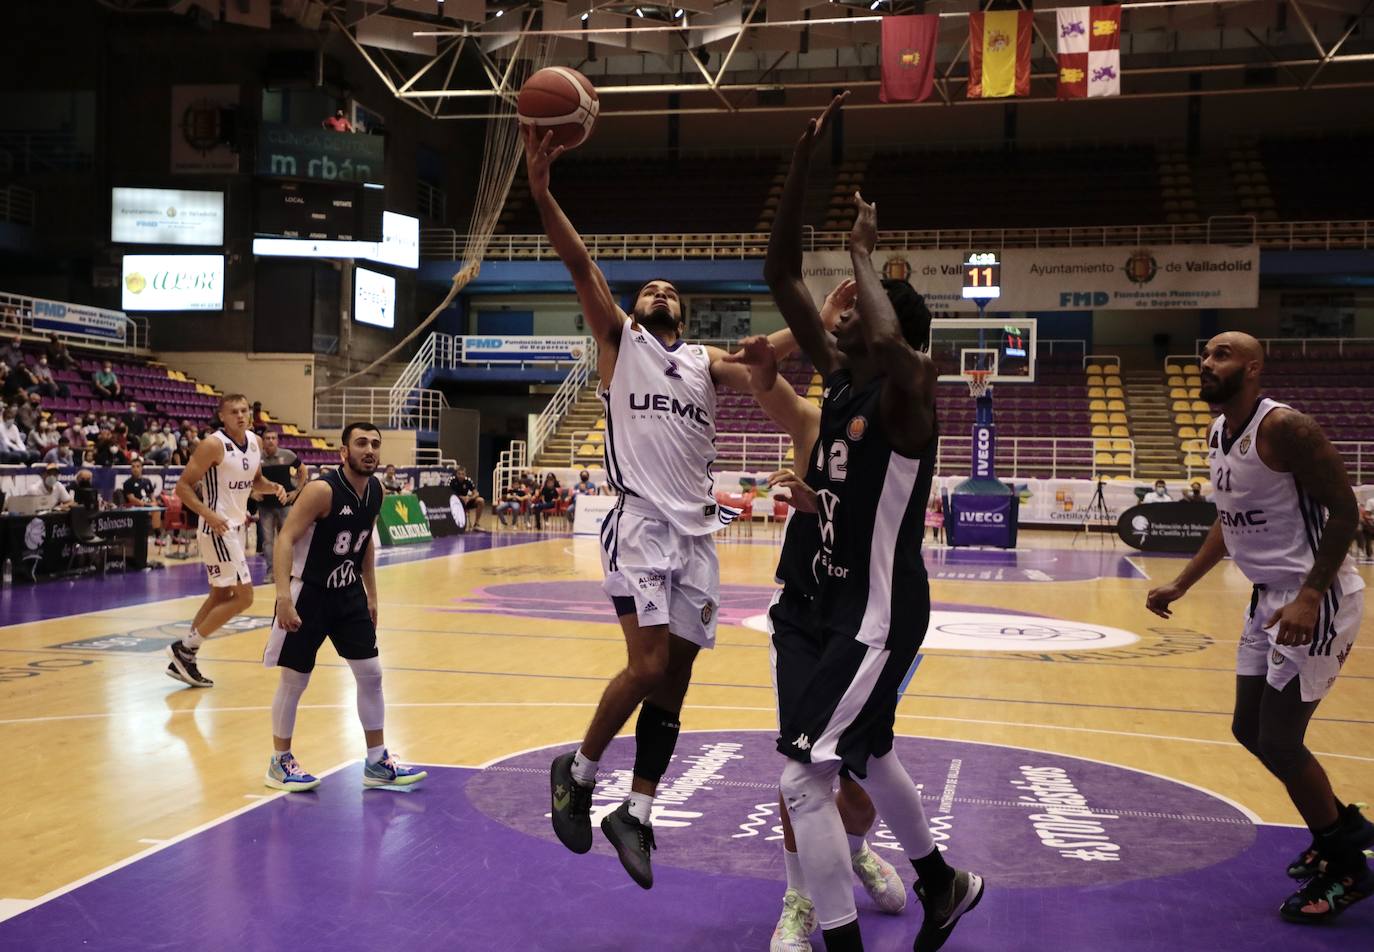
<point x="982" y="276"/>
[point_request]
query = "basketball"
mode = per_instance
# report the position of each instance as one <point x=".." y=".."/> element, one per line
<point x="562" y="100"/>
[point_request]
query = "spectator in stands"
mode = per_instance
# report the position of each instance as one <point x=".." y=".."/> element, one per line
<point x="259" y="415"/>
<point x="1366" y="536"/>
<point x="182" y="454"/>
<point x="583" y="487"/>
<point x="58" y="356"/>
<point x="935" y="517"/>
<point x="9" y="316"/>
<point x="391" y="482"/>
<point x="338" y="122"/>
<point x="29" y="413"/>
<point x="88" y="455"/>
<point x="13" y="352"/>
<point x="153" y="445"/>
<point x="138" y="489"/>
<point x="42" y="438"/>
<point x="133" y="421"/>
<point x="513" y="501"/>
<point x="105" y="382"/>
<point x="1194" y="493"/>
<point x="90" y="427"/>
<point x="466" y="490"/>
<point x="76" y="436"/>
<point x="121" y="438"/>
<point x="1160" y="494"/>
<point x="9" y="383"/>
<point x="107" y="451"/>
<point x="13" y="445"/>
<point x="271" y="513"/>
<point x="61" y="454"/>
<point x="53" y="493"/>
<point x="44" y="382"/>
<point x="20" y="380"/>
<point x="546" y="499"/>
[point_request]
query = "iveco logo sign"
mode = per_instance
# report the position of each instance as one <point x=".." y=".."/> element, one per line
<point x="983" y="518"/>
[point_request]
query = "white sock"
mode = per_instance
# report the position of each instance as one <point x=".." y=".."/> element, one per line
<point x="194" y="640"/>
<point x="584" y="769"/>
<point x="641" y="806"/>
<point x="795" y="879"/>
<point x="375" y="754"/>
<point x="856" y="843"/>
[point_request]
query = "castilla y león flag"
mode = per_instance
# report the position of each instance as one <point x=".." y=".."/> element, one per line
<point x="1089" y="48"/>
<point x="909" y="58"/>
<point x="999" y="44"/>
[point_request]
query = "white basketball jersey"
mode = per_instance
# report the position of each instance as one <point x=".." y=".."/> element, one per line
<point x="661" y="429"/>
<point x="1272" y="528"/>
<point x="229" y="482"/>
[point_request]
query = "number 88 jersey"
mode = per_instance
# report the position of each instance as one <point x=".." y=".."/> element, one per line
<point x="330" y="553"/>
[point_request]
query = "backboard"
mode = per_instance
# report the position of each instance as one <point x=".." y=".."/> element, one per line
<point x="1004" y="347"/>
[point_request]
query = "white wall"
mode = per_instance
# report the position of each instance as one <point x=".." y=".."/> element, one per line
<point x="285" y="383"/>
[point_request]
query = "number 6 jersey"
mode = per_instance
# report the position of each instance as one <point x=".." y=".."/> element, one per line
<point x="330" y="553"/>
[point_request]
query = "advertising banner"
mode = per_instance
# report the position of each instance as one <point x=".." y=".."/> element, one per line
<point x="982" y="519"/>
<point x="481" y="350"/>
<point x="1167" y="526"/>
<point x="78" y="319"/>
<point x="402" y="520"/>
<point x="984" y="451"/>
<point x="1068" y="279"/>
<point x="374" y="298"/>
<point x="444" y="510"/>
<point x="173" y="283"/>
<point x="591" y="512"/>
<point x="320" y="154"/>
<point x="166" y="216"/>
<point x="200" y="136"/>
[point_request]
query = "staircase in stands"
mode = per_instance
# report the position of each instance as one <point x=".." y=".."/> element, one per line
<point x="581" y="419"/>
<point x="1157" y="451"/>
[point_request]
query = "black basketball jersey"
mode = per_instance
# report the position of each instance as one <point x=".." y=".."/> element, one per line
<point x="330" y="553"/>
<point x="797" y="563"/>
<point x="872" y="502"/>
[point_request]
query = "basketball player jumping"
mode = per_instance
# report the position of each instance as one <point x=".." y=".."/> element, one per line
<point x="331" y="592"/>
<point x="1287" y="515"/>
<point x="797" y="647"/>
<point x="871" y="471"/>
<point x="658" y="553"/>
<point x="227" y="466"/>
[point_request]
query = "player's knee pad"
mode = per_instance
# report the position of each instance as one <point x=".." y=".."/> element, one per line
<point x="1284" y="757"/>
<point x="366" y="669"/>
<point x="656" y="733"/>
<point x="806" y="787"/>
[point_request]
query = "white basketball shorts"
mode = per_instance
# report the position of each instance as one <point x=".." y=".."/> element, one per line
<point x="1316" y="663"/>
<point x="672" y="578"/>
<point x="224" y="558"/>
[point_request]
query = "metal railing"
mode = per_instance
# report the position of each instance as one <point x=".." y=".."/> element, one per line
<point x="432" y="456"/>
<point x="563" y="400"/>
<point x="509" y="465"/>
<point x="16" y="316"/>
<point x="419" y="410"/>
<point x="1054" y="457"/>
<point x="1313" y="346"/>
<point x="1105" y="360"/>
<point x="16" y="205"/>
<point x="448" y="244"/>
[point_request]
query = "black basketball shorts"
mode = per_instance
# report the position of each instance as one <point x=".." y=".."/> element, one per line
<point x="339" y="614"/>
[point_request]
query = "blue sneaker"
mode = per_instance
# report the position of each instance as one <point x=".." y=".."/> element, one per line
<point x="283" y="773"/>
<point x="387" y="774"/>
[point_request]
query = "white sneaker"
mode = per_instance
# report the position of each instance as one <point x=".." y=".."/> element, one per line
<point x="795" y="925"/>
<point x="880" y="880"/>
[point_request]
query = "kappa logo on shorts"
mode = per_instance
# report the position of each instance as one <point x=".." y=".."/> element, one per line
<point x="707" y="611"/>
<point x="1277" y="658"/>
<point x="802" y="742"/>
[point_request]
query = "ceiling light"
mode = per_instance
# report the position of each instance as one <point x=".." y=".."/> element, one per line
<point x="584" y="17"/>
<point x="874" y="5"/>
<point x="676" y="14"/>
<point x="500" y="13"/>
<point x="639" y="12"/>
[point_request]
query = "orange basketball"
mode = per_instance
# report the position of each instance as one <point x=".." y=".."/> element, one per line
<point x="561" y="100"/>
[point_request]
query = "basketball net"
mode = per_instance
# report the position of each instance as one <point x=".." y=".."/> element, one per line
<point x="979" y="382"/>
<point x="500" y="159"/>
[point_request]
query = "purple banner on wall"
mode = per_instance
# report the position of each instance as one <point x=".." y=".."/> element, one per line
<point x="982" y="519"/>
<point x="984" y="451"/>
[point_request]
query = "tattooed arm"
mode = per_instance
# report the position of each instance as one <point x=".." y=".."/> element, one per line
<point x="1292" y="442"/>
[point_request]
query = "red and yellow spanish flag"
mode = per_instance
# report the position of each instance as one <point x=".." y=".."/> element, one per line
<point x="999" y="60"/>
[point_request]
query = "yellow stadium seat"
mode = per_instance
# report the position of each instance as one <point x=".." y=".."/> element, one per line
<point x="1121" y="445"/>
<point x="1102" y="430"/>
<point x="1194" y="393"/>
<point x="318" y="443"/>
<point x="1113" y="380"/>
<point x="1096" y="392"/>
<point x="1178" y="393"/>
<point x="1116" y="417"/>
<point x="1121" y="431"/>
<point x="601" y="424"/>
<point x="1200" y="406"/>
<point x="1100" y="416"/>
<point x="1094" y="368"/>
<point x="1177" y="380"/>
<point x="1104" y="459"/>
<point x="1181" y="419"/>
<point x="1097" y="404"/>
<point x="1116" y="405"/>
<point x="1192" y="370"/>
<point x="1116" y="392"/>
<point x="788" y="456"/>
<point x="1173" y="369"/>
<point x="596" y="436"/>
<point x="586" y="449"/>
<point x="1122" y="459"/>
<point x="1102" y="444"/>
<point x="1181" y="406"/>
<point x="1203" y="418"/>
<point x="1184" y="432"/>
<point x="1194" y="460"/>
<point x="814" y="390"/>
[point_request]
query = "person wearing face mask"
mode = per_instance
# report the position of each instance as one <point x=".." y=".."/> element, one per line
<point x="61" y="454"/>
<point x="90" y="427"/>
<point x="42" y="438"/>
<point x="13" y="448"/>
<point x="53" y="493"/>
<point x="182" y="454"/>
<point x="152" y="446"/>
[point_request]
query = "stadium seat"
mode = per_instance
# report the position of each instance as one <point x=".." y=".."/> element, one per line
<point x="1119" y="430"/>
<point x="1116" y="417"/>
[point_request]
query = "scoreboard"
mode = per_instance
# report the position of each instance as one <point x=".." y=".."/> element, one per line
<point x="319" y="212"/>
<point x="982" y="271"/>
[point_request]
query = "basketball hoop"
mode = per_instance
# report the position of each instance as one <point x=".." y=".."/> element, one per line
<point x="979" y="382"/>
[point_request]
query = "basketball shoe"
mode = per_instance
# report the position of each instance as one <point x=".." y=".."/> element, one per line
<point x="1358" y="830"/>
<point x="633" y="842"/>
<point x="283" y="773"/>
<point x="183" y="666"/>
<point x="944" y="909"/>
<point x="880" y="880"/>
<point x="795" y="925"/>
<point x="387" y="773"/>
<point x="572" y="806"/>
<point x="1328" y="894"/>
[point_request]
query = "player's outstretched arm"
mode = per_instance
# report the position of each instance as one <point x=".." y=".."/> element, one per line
<point x="798" y="417"/>
<point x="1212" y="551"/>
<point x="782" y="268"/>
<point x="908" y="398"/>
<point x="604" y="316"/>
<point x="311" y="505"/>
<point x="209" y="453"/>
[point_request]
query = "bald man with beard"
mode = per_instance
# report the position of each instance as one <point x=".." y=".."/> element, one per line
<point x="1287" y="515"/>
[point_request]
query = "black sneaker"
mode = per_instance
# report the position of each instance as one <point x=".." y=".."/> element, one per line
<point x="1358" y="830"/>
<point x="633" y="842"/>
<point x="183" y="666"/>
<point x="944" y="909"/>
<point x="1327" y="896"/>
<point x="572" y="806"/>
